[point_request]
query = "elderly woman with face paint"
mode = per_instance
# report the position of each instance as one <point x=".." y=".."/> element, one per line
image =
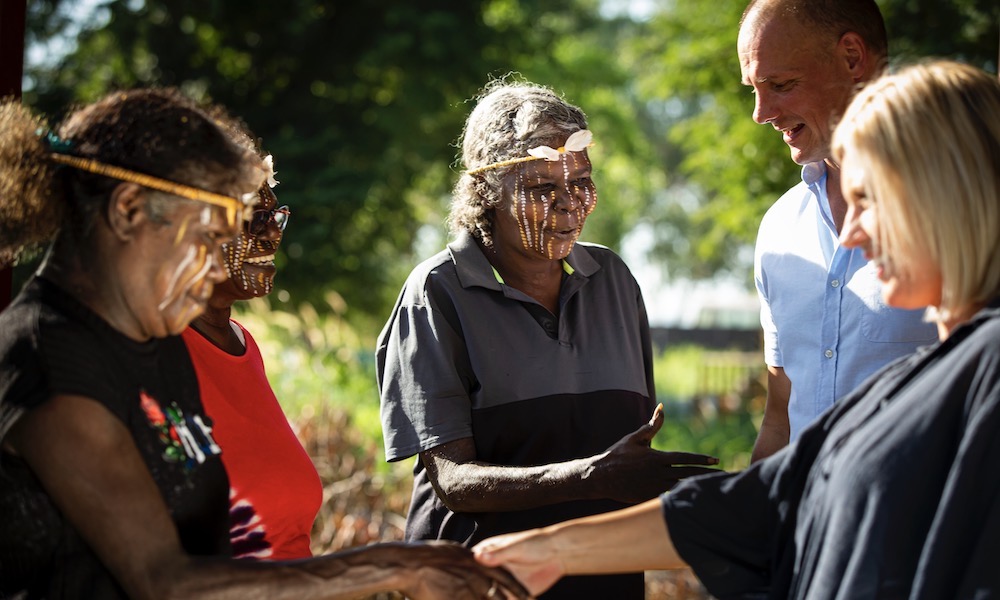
<point x="894" y="492"/>
<point x="517" y="363"/>
<point x="111" y="485"/>
<point x="275" y="491"/>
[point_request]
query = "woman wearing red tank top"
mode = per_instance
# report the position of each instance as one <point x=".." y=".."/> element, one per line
<point x="267" y="520"/>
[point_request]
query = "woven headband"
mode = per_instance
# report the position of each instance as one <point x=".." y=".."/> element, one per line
<point x="577" y="141"/>
<point x="235" y="207"/>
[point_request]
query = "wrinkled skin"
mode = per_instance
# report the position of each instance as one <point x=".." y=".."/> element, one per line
<point x="546" y="204"/>
<point x="629" y="471"/>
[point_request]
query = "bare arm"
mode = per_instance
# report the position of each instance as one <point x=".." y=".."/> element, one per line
<point x="774" y="429"/>
<point x="629" y="471"/>
<point x="624" y="541"/>
<point x="89" y="465"/>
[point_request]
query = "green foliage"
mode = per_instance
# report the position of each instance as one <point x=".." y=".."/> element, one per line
<point x="729" y="436"/>
<point x="961" y="29"/>
<point x="361" y="104"/>
<point x="317" y="360"/>
<point x="713" y="402"/>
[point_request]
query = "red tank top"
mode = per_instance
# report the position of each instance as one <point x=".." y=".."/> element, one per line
<point x="275" y="491"/>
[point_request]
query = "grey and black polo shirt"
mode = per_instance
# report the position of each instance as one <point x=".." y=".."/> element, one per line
<point x="464" y="355"/>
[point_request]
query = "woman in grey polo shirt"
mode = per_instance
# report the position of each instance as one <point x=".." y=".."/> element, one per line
<point x="517" y="362"/>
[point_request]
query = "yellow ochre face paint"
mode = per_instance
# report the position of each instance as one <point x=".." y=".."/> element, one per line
<point x="551" y="202"/>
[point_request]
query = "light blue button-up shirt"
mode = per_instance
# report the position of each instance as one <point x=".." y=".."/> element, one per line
<point x="822" y="312"/>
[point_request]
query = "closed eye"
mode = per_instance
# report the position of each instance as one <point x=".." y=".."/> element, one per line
<point x="783" y="86"/>
<point x="859" y="199"/>
<point x="542" y="188"/>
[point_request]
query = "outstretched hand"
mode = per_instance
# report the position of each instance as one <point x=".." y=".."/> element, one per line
<point x="632" y="471"/>
<point x="527" y="554"/>
<point x="448" y="570"/>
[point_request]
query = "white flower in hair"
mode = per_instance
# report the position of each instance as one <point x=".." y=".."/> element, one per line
<point x="578" y="140"/>
<point x="269" y="167"/>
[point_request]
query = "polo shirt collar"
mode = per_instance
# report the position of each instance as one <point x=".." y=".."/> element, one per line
<point x="474" y="270"/>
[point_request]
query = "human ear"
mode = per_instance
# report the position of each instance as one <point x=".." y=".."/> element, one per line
<point x="127" y="210"/>
<point x="855" y="54"/>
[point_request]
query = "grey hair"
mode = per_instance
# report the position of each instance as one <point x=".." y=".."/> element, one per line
<point x="509" y="118"/>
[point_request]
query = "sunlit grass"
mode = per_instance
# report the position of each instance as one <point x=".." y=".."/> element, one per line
<point x="713" y="402"/>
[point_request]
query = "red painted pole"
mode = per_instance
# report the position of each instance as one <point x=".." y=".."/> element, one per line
<point x="12" y="23"/>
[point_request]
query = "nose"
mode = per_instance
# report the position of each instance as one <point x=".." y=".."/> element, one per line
<point x="272" y="232"/>
<point x="565" y="200"/>
<point x="852" y="234"/>
<point x="216" y="270"/>
<point x="763" y="108"/>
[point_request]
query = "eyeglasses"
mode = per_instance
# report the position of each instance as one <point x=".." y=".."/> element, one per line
<point x="261" y="219"/>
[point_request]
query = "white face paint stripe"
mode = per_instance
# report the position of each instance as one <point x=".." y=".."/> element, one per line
<point x="533" y="229"/>
<point x="520" y="199"/>
<point x="523" y="222"/>
<point x="202" y="262"/>
<point x="175" y="278"/>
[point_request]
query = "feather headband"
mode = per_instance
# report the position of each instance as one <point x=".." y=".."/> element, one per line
<point x="577" y="141"/>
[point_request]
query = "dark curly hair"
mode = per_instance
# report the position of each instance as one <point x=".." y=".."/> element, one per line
<point x="157" y="132"/>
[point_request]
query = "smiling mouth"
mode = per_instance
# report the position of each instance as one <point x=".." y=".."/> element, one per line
<point x="790" y="133"/>
<point x="260" y="260"/>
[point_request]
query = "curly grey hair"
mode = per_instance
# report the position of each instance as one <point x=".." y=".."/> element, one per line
<point x="509" y="118"/>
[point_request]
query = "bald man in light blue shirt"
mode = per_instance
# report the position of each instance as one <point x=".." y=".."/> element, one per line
<point x="825" y="326"/>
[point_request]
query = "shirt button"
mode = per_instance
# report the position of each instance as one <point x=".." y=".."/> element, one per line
<point x="835" y="283"/>
<point x="828" y="354"/>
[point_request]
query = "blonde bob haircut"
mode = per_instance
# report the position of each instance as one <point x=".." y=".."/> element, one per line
<point x="929" y="136"/>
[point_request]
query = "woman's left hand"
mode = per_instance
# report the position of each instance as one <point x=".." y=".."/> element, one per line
<point x="632" y="471"/>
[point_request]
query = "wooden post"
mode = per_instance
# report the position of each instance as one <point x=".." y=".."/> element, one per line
<point x="12" y="24"/>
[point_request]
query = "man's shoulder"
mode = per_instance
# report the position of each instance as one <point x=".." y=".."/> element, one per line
<point x="791" y="202"/>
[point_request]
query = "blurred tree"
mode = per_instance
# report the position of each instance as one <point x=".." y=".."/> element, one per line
<point x="360" y="103"/>
<point x="728" y="170"/>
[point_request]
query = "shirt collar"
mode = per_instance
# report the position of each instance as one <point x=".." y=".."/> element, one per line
<point x="813" y="172"/>
<point x="474" y="270"/>
<point x="814" y="175"/>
